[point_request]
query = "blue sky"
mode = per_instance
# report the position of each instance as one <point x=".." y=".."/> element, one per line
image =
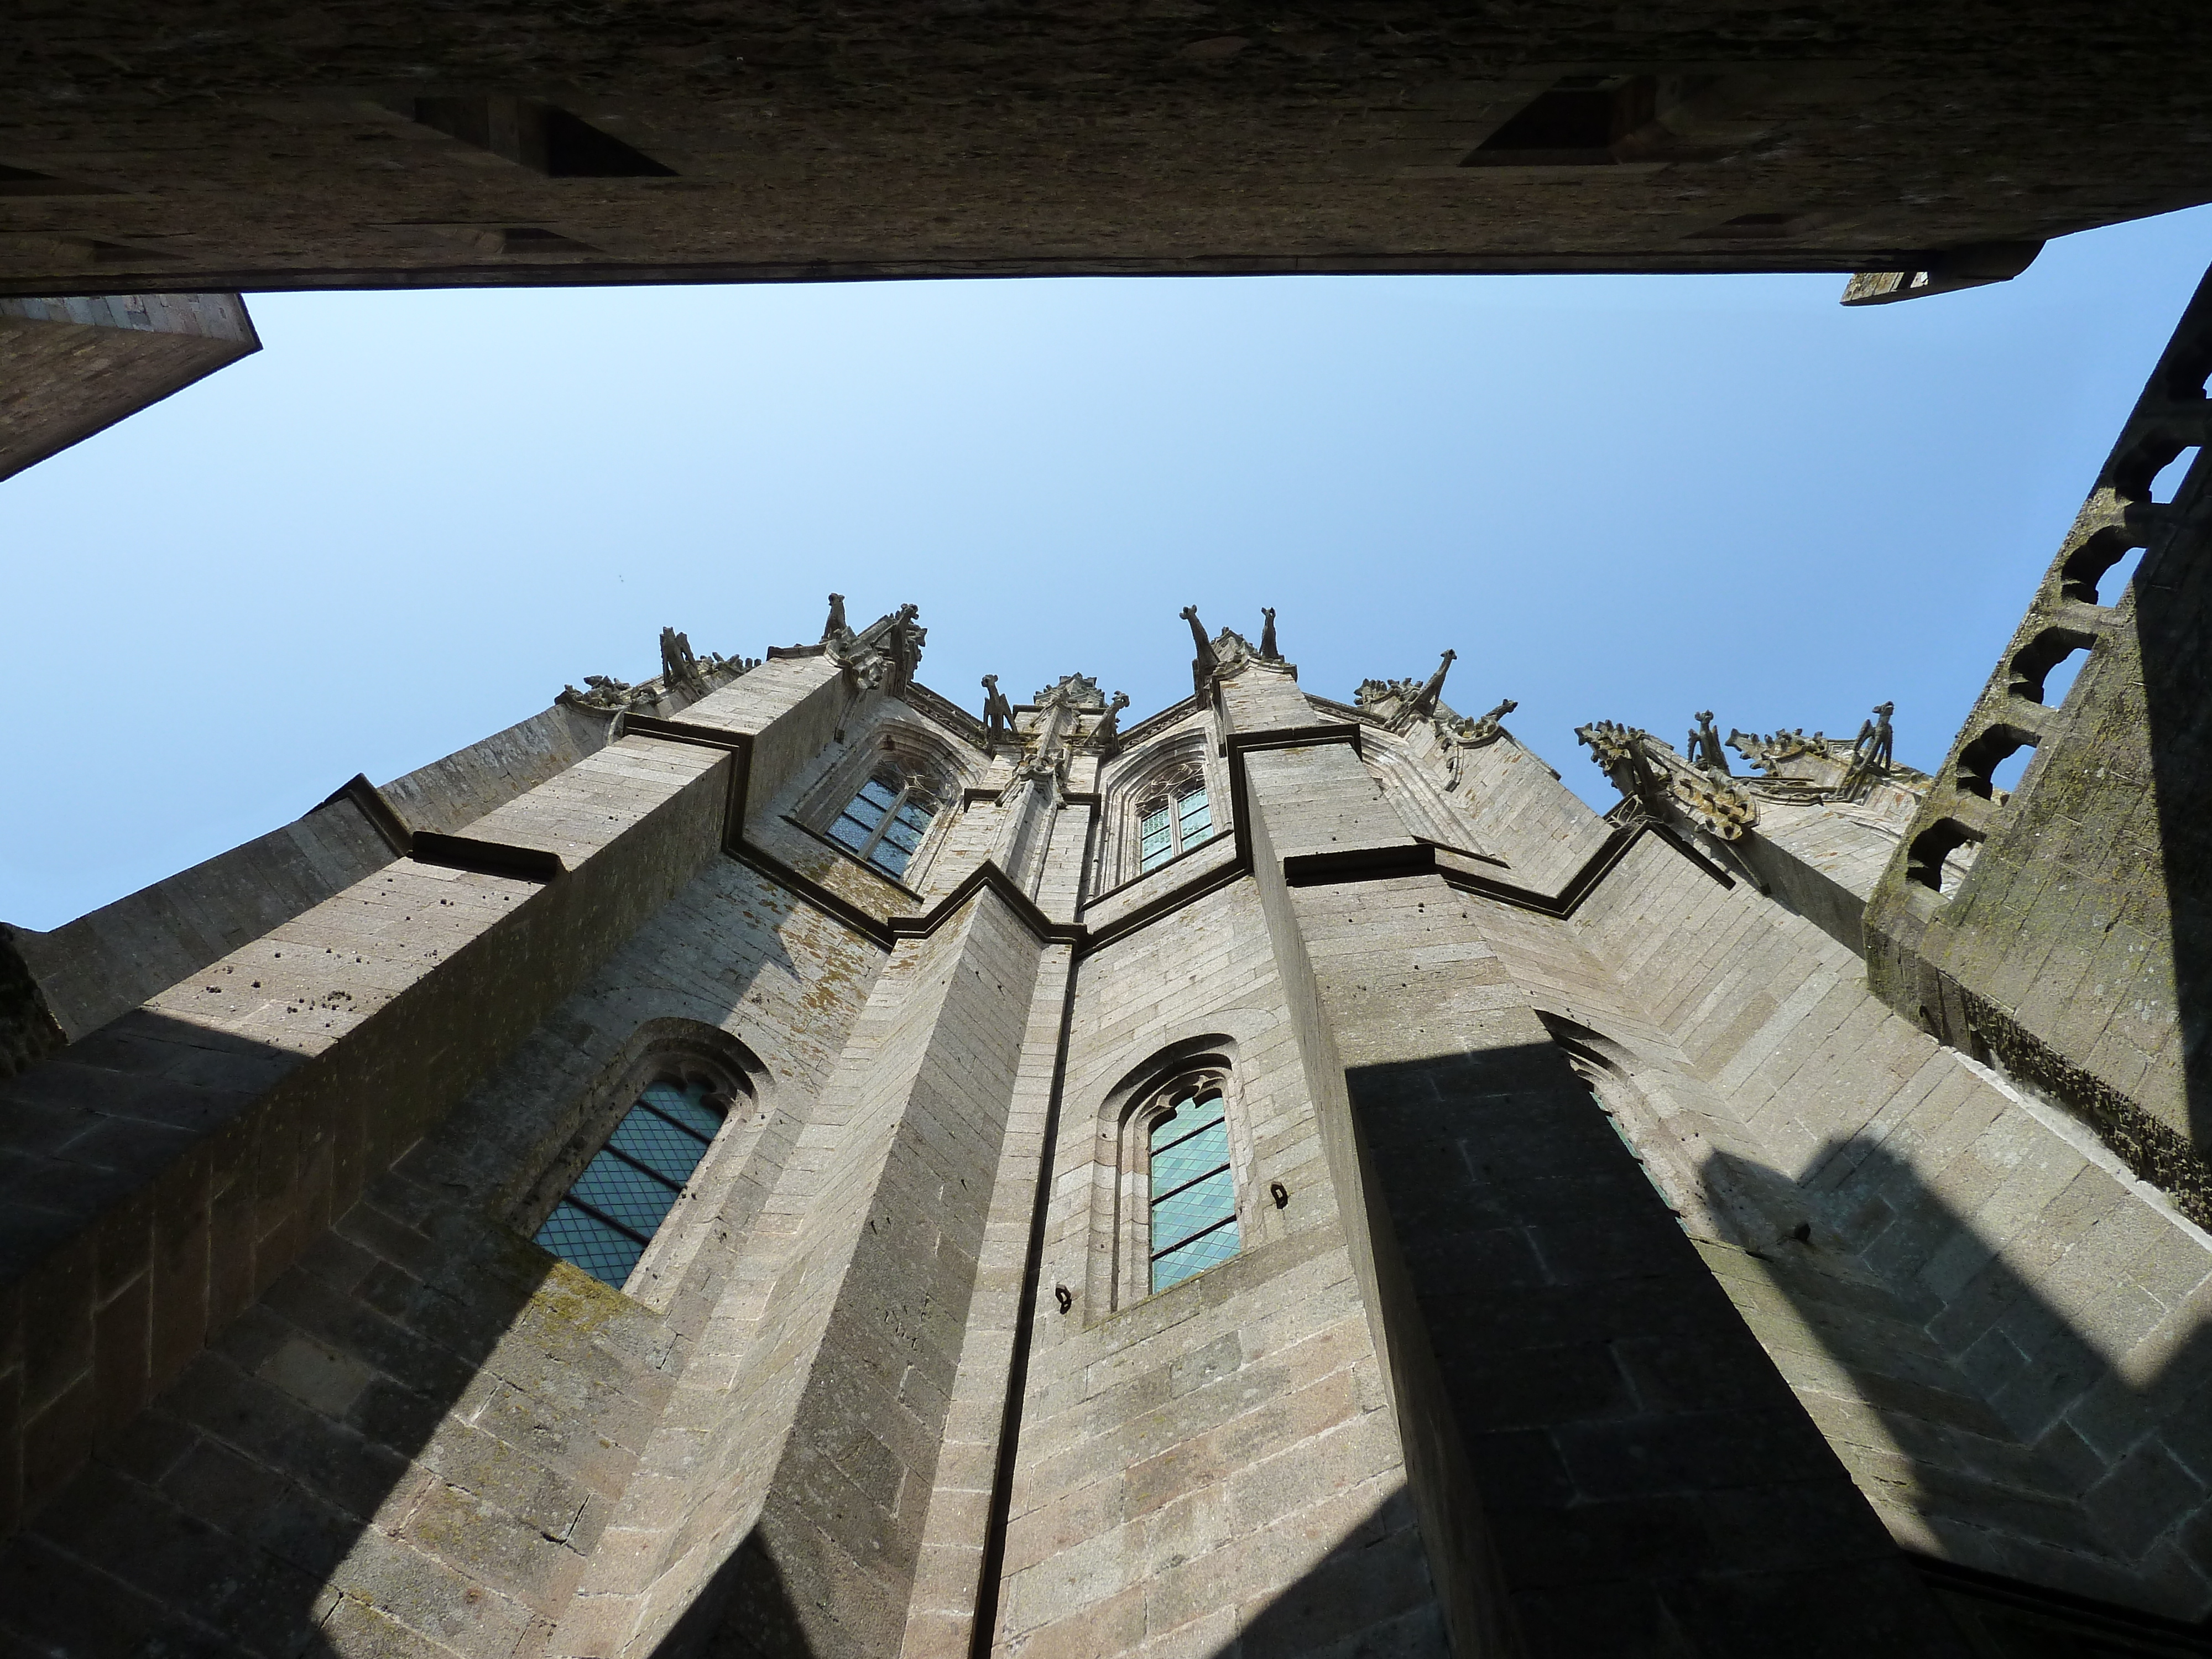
<point x="413" y="517"/>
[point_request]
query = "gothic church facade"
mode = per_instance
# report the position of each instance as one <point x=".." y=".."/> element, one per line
<point x="767" y="1162"/>
<point x="792" y="1167"/>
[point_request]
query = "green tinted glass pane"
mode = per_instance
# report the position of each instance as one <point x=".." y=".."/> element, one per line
<point x="669" y="1152"/>
<point x="589" y="1242"/>
<point x="1192" y="1210"/>
<point x="686" y="1104"/>
<point x="1175" y="1166"/>
<point x="1195" y="1257"/>
<point x="1186" y="1115"/>
<point x="624" y="1194"/>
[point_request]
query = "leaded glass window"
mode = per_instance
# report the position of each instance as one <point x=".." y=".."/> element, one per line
<point x="1173" y="823"/>
<point x="1194" y="1209"/>
<point x="612" y="1214"/>
<point x="886" y="822"/>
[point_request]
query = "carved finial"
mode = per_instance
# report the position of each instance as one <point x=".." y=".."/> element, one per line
<point x="835" y="625"/>
<point x="1268" y="634"/>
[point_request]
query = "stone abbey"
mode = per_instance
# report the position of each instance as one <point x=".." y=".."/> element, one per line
<point x="768" y="1162"/>
<point x="775" y="1161"/>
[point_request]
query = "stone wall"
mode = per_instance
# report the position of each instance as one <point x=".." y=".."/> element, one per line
<point x="1614" y="1268"/>
<point x="358" y="150"/>
<point x="2073" y="950"/>
<point x="417" y="1438"/>
<point x="2000" y="1329"/>
<point x="71" y="367"/>
<point x="1188" y="1458"/>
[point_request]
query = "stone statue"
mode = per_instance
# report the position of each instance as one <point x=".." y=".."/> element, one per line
<point x="1703" y="747"/>
<point x="998" y="712"/>
<point x="1268" y="650"/>
<point x="1106" y="736"/>
<point x="1204" y="647"/>
<point x="1871" y="755"/>
<point x="836" y="626"/>
<point x="903" y="647"/>
<point x="1424" y="699"/>
<point x="1872" y="748"/>
<point x="677" y="665"/>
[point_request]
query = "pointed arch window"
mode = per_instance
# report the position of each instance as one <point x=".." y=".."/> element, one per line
<point x="1193" y="1194"/>
<point x="604" y="1221"/>
<point x="886" y="822"/>
<point x="1172" y="821"/>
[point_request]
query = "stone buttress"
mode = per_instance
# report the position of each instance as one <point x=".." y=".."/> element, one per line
<point x="1597" y="1266"/>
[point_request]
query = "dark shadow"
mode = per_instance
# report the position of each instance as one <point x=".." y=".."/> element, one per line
<point x="1369" y="1594"/>
<point x="1651" y="1483"/>
<point x="746" y="1612"/>
<point x="212" y="1523"/>
<point x="2173" y="592"/>
<point x="301" y="1437"/>
<point x="1978" y="1415"/>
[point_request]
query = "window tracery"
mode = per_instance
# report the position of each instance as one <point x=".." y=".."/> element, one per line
<point x="886" y="821"/>
<point x="1173" y="816"/>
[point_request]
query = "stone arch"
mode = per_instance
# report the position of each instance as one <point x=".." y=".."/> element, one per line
<point x="1138" y="780"/>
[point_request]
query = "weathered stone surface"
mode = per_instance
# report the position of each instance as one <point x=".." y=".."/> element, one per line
<point x="366" y="146"/>
<point x="1613" y="1271"/>
<point x="2073" y="951"/>
<point x="71" y="367"/>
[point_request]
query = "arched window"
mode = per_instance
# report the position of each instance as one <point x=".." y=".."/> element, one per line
<point x="606" y="1220"/>
<point x="1193" y="1196"/>
<point x="1173" y="820"/>
<point x="884" y="823"/>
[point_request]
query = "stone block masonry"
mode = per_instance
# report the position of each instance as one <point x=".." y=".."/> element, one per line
<point x="69" y="368"/>
<point x="1611" y="1272"/>
<point x="804" y="147"/>
<point x="213" y="1132"/>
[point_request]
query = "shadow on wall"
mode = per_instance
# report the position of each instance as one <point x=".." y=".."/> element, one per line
<point x="416" y="1430"/>
<point x="1370" y="1593"/>
<point x="1650" y="1484"/>
<point x="2172" y="614"/>
<point x="284" y="1461"/>
<point x="2066" y="1447"/>
<point x="746" y="1612"/>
